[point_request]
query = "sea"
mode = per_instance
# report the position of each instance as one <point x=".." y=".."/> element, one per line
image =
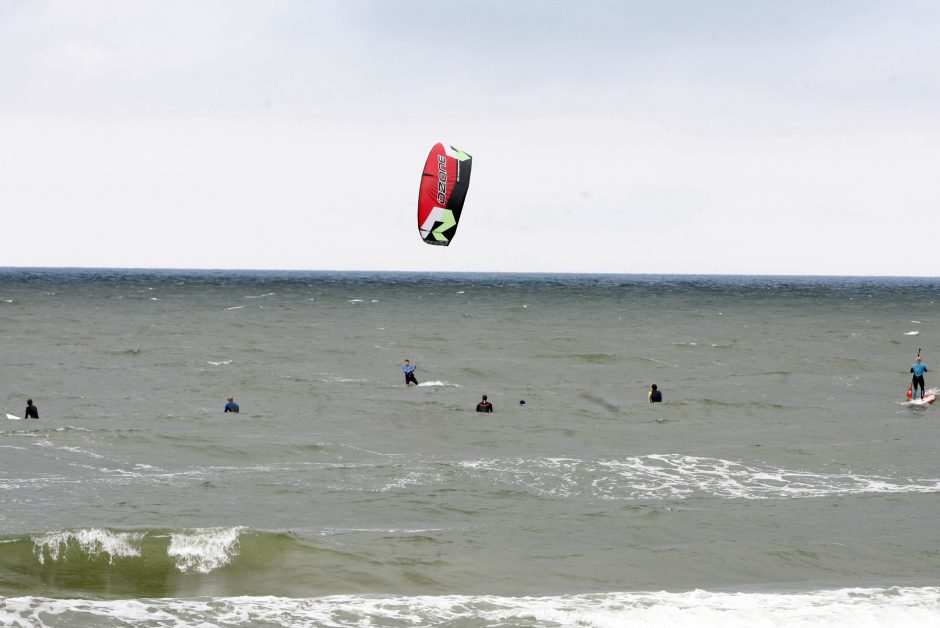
<point x="783" y="480"/>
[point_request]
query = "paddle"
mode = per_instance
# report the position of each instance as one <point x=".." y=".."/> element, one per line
<point x="910" y="389"/>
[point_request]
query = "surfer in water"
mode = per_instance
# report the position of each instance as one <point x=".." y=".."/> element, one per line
<point x="918" y="369"/>
<point x="32" y="412"/>
<point x="409" y="370"/>
<point x="655" y="395"/>
<point x="231" y="406"/>
<point x="484" y="405"/>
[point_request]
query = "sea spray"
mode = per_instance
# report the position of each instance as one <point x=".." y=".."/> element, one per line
<point x="203" y="551"/>
<point x="90" y="543"/>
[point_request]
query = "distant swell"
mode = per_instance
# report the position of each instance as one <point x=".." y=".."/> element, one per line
<point x="675" y="476"/>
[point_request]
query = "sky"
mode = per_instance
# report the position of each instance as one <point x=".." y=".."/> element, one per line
<point x="691" y="137"/>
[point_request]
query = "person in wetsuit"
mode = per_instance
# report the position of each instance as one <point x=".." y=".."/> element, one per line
<point x="655" y="395"/>
<point x="32" y="412"/>
<point x="484" y="405"/>
<point x="409" y="370"/>
<point x="918" y="370"/>
<point x="231" y="406"/>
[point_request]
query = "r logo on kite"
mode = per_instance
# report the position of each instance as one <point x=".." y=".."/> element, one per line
<point x="442" y="193"/>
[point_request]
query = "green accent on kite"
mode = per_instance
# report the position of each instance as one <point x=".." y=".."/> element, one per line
<point x="461" y="156"/>
<point x="448" y="222"/>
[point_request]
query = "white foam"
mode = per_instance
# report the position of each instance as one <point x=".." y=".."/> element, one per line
<point x="404" y="531"/>
<point x="440" y="383"/>
<point x="412" y="478"/>
<point x="899" y="607"/>
<point x="76" y="450"/>
<point x="235" y="307"/>
<point x="261" y="296"/>
<point x="204" y="550"/>
<point x="220" y="363"/>
<point x="912" y="333"/>
<point x="675" y="476"/>
<point x="92" y="542"/>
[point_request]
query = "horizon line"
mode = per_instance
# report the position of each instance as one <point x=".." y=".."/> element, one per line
<point x="163" y="269"/>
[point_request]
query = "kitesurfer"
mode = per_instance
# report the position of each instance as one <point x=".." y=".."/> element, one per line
<point x="918" y="369"/>
<point x="655" y="395"/>
<point x="484" y="405"/>
<point x="32" y="412"/>
<point x="409" y="370"/>
<point x="231" y="406"/>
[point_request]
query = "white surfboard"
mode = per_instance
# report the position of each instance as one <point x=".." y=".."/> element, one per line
<point x="13" y="417"/>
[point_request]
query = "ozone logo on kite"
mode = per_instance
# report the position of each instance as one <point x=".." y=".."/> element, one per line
<point x="442" y="193"/>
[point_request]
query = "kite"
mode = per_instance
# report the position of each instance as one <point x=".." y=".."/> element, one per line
<point x="442" y="193"/>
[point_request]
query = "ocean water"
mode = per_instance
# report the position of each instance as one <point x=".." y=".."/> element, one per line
<point x="782" y="482"/>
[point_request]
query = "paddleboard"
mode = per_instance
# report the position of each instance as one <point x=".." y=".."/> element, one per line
<point x="14" y="417"/>
<point x="930" y="396"/>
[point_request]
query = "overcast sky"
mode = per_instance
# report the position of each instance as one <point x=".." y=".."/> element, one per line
<point x="730" y="137"/>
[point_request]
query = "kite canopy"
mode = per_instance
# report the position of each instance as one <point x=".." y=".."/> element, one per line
<point x="441" y="195"/>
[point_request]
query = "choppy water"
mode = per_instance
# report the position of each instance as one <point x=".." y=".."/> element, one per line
<point x="782" y="481"/>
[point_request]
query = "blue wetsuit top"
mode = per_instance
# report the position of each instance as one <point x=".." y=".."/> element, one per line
<point x="231" y="406"/>
<point x="408" y="368"/>
<point x="918" y="369"/>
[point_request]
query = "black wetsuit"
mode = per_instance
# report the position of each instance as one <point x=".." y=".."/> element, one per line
<point x="918" y="370"/>
<point x="656" y="396"/>
<point x="32" y="412"/>
<point x="484" y="406"/>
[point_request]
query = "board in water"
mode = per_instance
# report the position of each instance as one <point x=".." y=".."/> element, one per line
<point x="13" y="417"/>
<point x="930" y="396"/>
